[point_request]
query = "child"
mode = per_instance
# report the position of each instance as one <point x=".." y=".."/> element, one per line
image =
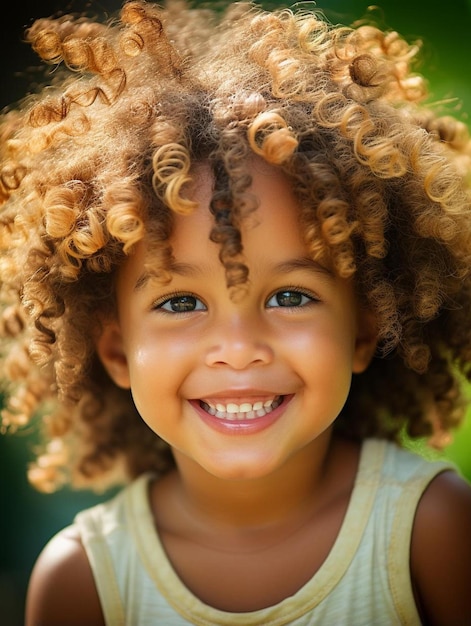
<point x="236" y="276"/>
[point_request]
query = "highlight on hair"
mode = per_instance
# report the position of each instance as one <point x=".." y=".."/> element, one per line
<point x="103" y="157"/>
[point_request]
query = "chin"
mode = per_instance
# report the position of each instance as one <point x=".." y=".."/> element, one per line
<point x="242" y="469"/>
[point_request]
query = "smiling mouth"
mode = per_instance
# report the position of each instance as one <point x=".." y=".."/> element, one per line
<point x="243" y="411"/>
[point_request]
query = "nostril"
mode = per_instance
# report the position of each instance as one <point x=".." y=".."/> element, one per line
<point x="239" y="354"/>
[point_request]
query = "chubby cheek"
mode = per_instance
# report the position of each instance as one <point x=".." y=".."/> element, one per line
<point x="153" y="354"/>
<point x="157" y="370"/>
<point x="326" y="357"/>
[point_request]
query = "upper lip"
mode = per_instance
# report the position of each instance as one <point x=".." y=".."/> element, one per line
<point x="240" y="394"/>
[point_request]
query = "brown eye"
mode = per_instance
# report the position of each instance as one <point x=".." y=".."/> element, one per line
<point x="184" y="303"/>
<point x="289" y="298"/>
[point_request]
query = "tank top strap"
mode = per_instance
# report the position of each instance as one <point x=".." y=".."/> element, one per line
<point x="90" y="523"/>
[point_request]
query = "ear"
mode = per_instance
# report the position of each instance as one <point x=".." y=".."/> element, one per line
<point x="110" y="350"/>
<point x="366" y="341"/>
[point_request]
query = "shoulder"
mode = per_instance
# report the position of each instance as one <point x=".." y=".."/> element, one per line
<point x="62" y="589"/>
<point x="441" y="551"/>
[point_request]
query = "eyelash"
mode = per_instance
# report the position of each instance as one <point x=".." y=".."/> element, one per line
<point x="161" y="302"/>
<point x="312" y="299"/>
<point x="167" y="300"/>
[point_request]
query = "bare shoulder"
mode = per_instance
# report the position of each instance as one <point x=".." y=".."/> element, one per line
<point x="441" y="551"/>
<point x="61" y="589"/>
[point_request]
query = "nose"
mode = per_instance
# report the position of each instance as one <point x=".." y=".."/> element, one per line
<point x="238" y="343"/>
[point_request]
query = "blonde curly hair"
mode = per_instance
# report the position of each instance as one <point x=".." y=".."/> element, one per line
<point x="102" y="157"/>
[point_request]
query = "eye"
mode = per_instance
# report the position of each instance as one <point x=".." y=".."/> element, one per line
<point x="180" y="303"/>
<point x="290" y="298"/>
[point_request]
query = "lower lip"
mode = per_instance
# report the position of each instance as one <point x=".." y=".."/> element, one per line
<point x="241" y="427"/>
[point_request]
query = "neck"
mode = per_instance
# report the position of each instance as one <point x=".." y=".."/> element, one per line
<point x="286" y="494"/>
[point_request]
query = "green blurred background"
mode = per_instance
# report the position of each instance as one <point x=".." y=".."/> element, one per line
<point x="27" y="518"/>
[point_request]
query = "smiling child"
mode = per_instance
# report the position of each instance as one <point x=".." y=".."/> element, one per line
<point x="235" y="275"/>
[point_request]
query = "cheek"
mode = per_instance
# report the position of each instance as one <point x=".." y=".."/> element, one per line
<point x="324" y="356"/>
<point x="155" y="380"/>
<point x="149" y="349"/>
<point x="158" y="365"/>
<point x="324" y="341"/>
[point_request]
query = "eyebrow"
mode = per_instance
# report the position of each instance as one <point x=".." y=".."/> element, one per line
<point x="304" y="263"/>
<point x="181" y="269"/>
<point x="187" y="270"/>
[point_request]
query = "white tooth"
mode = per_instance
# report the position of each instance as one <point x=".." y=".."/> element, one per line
<point x="246" y="410"/>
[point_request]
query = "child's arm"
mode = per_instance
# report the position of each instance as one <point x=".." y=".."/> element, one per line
<point x="62" y="591"/>
<point x="441" y="552"/>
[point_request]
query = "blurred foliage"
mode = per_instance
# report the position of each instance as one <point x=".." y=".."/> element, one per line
<point x="29" y="518"/>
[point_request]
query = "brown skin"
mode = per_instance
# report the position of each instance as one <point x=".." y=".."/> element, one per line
<point x="250" y="528"/>
<point x="62" y="591"/>
<point x="441" y="552"/>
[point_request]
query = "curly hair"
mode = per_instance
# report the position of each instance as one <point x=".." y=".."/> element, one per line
<point x="102" y="157"/>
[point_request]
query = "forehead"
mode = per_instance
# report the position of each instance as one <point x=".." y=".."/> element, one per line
<point x="273" y="217"/>
<point x="273" y="239"/>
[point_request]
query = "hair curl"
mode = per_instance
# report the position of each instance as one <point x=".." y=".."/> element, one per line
<point x="103" y="156"/>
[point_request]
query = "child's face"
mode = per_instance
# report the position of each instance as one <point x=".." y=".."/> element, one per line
<point x="188" y="351"/>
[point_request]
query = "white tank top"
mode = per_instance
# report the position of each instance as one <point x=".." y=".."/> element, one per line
<point x="365" y="579"/>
